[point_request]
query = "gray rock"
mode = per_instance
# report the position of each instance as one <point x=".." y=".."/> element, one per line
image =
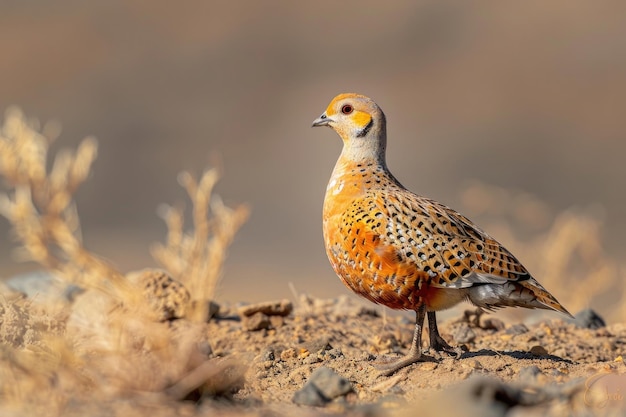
<point x="323" y="386"/>
<point x="330" y="384"/>
<point x="464" y="334"/>
<point x="310" y="395"/>
<point x="43" y="286"/>
<point x="517" y="329"/>
<point x="588" y="319"/>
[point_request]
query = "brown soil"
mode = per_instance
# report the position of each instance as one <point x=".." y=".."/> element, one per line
<point x="551" y="367"/>
<point x="552" y="359"/>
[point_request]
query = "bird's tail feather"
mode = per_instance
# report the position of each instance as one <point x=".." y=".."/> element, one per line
<point x="528" y="294"/>
<point x="543" y="296"/>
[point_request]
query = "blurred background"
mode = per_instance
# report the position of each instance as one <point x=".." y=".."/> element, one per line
<point x="524" y="98"/>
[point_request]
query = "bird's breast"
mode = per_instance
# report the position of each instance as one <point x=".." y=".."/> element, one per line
<point x="363" y="261"/>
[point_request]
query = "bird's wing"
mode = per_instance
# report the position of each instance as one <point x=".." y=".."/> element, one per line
<point x="443" y="243"/>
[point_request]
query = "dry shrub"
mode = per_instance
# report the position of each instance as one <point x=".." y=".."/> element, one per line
<point x="107" y="344"/>
<point x="40" y="207"/>
<point x="564" y="251"/>
<point x="195" y="258"/>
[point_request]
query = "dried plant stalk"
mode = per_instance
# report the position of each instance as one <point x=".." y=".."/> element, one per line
<point x="100" y="347"/>
<point x="196" y="258"/>
<point x="41" y="210"/>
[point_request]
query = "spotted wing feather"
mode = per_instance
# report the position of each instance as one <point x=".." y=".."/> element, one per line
<point x="445" y="244"/>
<point x="456" y="254"/>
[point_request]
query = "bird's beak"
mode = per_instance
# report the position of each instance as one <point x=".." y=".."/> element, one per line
<point x="323" y="120"/>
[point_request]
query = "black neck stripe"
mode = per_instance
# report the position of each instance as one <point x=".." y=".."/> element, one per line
<point x="366" y="129"/>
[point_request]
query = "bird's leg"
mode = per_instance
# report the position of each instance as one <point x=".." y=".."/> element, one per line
<point x="436" y="341"/>
<point x="415" y="353"/>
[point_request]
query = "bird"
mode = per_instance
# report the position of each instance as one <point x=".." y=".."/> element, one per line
<point x="406" y="251"/>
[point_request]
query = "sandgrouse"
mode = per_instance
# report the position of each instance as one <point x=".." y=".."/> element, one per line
<point x="403" y="250"/>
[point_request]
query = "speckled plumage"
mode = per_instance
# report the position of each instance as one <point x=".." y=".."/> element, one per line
<point x="403" y="250"/>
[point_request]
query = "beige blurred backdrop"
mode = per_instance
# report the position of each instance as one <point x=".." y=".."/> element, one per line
<point x="528" y="96"/>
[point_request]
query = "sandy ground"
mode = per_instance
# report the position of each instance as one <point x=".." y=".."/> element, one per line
<point x="542" y="368"/>
<point x="320" y="357"/>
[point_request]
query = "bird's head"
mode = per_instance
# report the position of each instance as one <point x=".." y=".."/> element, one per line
<point x="353" y="117"/>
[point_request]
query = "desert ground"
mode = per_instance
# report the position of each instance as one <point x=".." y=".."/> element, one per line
<point x="317" y="357"/>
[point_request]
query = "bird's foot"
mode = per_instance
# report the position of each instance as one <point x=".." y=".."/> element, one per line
<point x="437" y="344"/>
<point x="410" y="358"/>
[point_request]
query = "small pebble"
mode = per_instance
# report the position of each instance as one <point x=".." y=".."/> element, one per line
<point x="269" y="308"/>
<point x="538" y="350"/>
<point x="309" y="395"/>
<point x="317" y="346"/>
<point x="588" y="319"/>
<point x="268" y="355"/>
<point x="330" y="383"/>
<point x="517" y="329"/>
<point x="323" y="386"/>
<point x="257" y="321"/>
<point x="277" y="321"/>
<point x="287" y="354"/>
<point x="493" y="324"/>
<point x="464" y="334"/>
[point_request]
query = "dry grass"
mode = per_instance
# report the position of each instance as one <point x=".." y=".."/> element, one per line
<point x="564" y="251"/>
<point x="195" y="258"/>
<point x="40" y="206"/>
<point x="106" y="345"/>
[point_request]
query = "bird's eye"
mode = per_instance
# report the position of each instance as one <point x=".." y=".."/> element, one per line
<point x="347" y="109"/>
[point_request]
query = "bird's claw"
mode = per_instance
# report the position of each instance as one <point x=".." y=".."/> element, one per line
<point x="388" y="369"/>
